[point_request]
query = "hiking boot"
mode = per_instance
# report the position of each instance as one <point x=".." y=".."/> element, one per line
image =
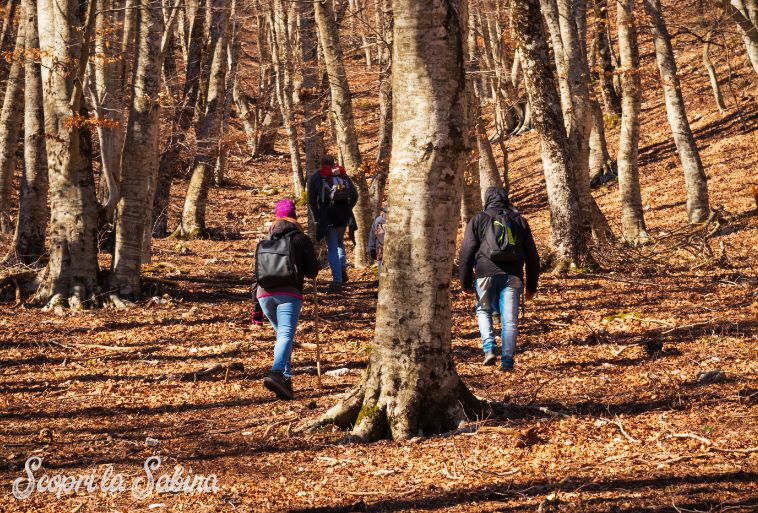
<point x="334" y="287"/>
<point x="344" y="275"/>
<point x="279" y="385"/>
<point x="507" y="364"/>
<point x="489" y="358"/>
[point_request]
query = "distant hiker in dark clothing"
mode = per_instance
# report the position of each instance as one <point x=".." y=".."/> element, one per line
<point x="331" y="198"/>
<point x="282" y="262"/>
<point x="376" y="239"/>
<point x="497" y="245"/>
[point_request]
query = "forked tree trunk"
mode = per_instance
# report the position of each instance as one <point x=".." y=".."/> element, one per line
<point x="633" y="228"/>
<point x="411" y="386"/>
<point x="31" y="226"/>
<point x="139" y="161"/>
<point x="72" y="270"/>
<point x="193" y="216"/>
<point x="565" y="216"/>
<point x="169" y="159"/>
<point x="10" y="124"/>
<point x="347" y="138"/>
<point x="694" y="177"/>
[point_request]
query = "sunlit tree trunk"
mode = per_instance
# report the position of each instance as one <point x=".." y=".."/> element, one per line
<point x="611" y="101"/>
<point x="140" y="156"/>
<point x="193" y="216"/>
<point x="347" y="138"/>
<point x="10" y="124"/>
<point x="29" y="239"/>
<point x="72" y="270"/>
<point x="565" y="217"/>
<point x="169" y="159"/>
<point x="411" y="387"/>
<point x="384" y="153"/>
<point x="713" y="77"/>
<point x="694" y="176"/>
<point x="632" y="220"/>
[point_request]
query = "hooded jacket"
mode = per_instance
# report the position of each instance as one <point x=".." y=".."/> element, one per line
<point x="305" y="260"/>
<point x="327" y="215"/>
<point x="495" y="200"/>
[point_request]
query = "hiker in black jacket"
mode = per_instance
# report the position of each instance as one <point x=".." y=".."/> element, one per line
<point x="282" y="304"/>
<point x="496" y="246"/>
<point x="331" y="198"/>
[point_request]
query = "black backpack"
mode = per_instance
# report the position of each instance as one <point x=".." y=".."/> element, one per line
<point x="503" y="241"/>
<point x="336" y="189"/>
<point x="275" y="262"/>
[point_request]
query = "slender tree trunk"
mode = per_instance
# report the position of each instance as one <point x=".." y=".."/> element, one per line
<point x="193" y="216"/>
<point x="611" y="101"/>
<point x="10" y="124"/>
<point x="694" y="176"/>
<point x="106" y="99"/>
<point x="309" y="95"/>
<point x="601" y="164"/>
<point x="169" y="159"/>
<point x="712" y="73"/>
<point x="738" y="13"/>
<point x="140" y="156"/>
<point x="384" y="152"/>
<point x="31" y="227"/>
<point x="72" y="270"/>
<point x="127" y="46"/>
<point x="6" y="36"/>
<point x="411" y="387"/>
<point x="565" y="217"/>
<point x="632" y="221"/>
<point x="232" y="51"/>
<point x="347" y="138"/>
<point x="283" y="71"/>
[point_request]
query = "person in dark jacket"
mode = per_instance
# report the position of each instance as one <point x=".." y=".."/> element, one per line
<point x="282" y="305"/>
<point x="332" y="216"/>
<point x="498" y="285"/>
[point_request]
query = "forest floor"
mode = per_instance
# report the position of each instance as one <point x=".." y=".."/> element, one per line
<point x="607" y="413"/>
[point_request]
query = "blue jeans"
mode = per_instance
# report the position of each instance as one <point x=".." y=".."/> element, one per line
<point x="335" y="250"/>
<point x="283" y="312"/>
<point x="498" y="293"/>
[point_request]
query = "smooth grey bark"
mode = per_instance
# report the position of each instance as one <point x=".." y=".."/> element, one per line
<point x="601" y="164"/>
<point x="633" y="228"/>
<point x="28" y="245"/>
<point x="565" y="216"/>
<point x="232" y="52"/>
<point x="10" y="125"/>
<point x="282" y="57"/>
<point x="106" y="99"/>
<point x="72" y="271"/>
<point x="411" y="387"/>
<point x="139" y="160"/>
<point x="169" y="159"/>
<point x="192" y="224"/>
<point x="737" y="11"/>
<point x="712" y="76"/>
<point x="347" y="139"/>
<point x="694" y="176"/>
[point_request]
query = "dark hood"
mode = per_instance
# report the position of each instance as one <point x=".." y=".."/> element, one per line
<point x="496" y="198"/>
<point x="285" y="225"/>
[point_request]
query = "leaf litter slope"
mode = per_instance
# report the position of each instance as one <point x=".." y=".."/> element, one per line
<point x="605" y="409"/>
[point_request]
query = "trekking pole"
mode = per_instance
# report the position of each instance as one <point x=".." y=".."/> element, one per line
<point x="316" y="328"/>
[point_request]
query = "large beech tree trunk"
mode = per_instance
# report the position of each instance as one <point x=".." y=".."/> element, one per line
<point x="411" y="387"/>
<point x="694" y="176"/>
<point x="72" y="270"/>
<point x="632" y="220"/>
<point x="565" y="217"/>
<point x="10" y="124"/>
<point x="193" y="216"/>
<point x="31" y="226"/>
<point x="139" y="161"/>
<point x="347" y="138"/>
